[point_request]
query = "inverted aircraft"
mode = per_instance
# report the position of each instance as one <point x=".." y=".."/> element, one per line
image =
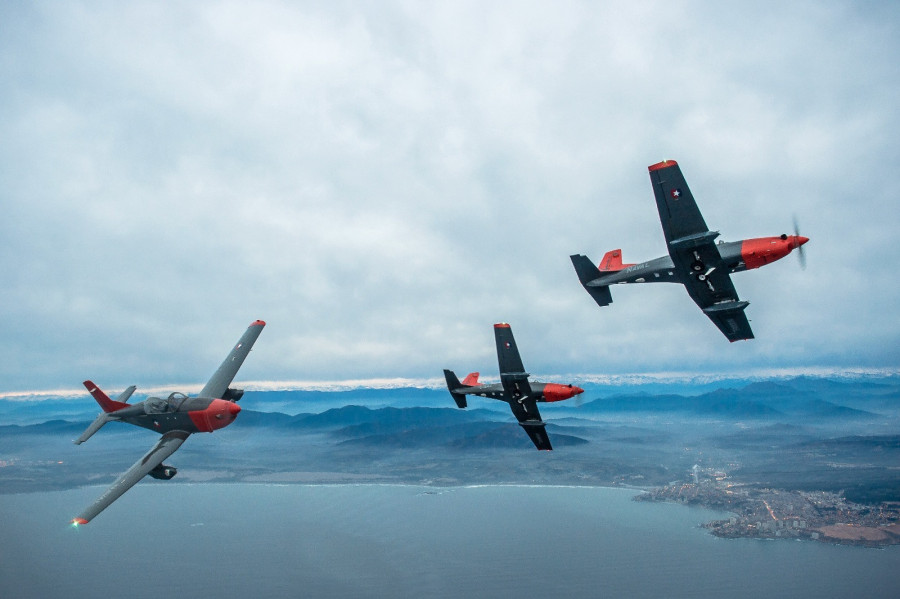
<point x="176" y="418"/>
<point x="694" y="259"/>
<point x="514" y="388"/>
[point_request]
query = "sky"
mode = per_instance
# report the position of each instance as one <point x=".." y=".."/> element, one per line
<point x="383" y="181"/>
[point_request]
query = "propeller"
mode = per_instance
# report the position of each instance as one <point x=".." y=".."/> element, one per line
<point x="801" y="254"/>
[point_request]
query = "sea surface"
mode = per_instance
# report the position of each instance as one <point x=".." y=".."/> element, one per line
<point x="241" y="540"/>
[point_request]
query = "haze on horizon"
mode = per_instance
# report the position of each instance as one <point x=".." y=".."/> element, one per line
<point x="383" y="183"/>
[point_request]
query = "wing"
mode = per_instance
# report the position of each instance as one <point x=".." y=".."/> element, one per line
<point x="694" y="254"/>
<point x="166" y="446"/>
<point x="220" y="380"/>
<point x="512" y="373"/>
<point x="678" y="212"/>
<point x="530" y="419"/>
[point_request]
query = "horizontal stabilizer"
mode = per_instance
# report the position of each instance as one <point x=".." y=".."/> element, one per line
<point x="454" y="384"/>
<point x="95" y="426"/>
<point x="125" y="395"/>
<point x="587" y="272"/>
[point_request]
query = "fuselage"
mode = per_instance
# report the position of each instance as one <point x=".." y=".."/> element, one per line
<point x="179" y="412"/>
<point x="541" y="392"/>
<point x="736" y="256"/>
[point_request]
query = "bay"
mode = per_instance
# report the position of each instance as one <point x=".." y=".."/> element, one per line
<point x="243" y="540"/>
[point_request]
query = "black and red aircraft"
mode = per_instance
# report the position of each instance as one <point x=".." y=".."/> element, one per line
<point x="694" y="259"/>
<point x="175" y="418"/>
<point x="514" y="388"/>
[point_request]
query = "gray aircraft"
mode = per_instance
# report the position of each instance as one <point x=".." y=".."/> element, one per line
<point x="694" y="259"/>
<point x="175" y="418"/>
<point x="514" y="388"/>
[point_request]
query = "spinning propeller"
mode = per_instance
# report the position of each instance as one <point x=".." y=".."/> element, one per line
<point x="801" y="254"/>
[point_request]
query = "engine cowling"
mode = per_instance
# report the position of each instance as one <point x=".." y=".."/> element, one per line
<point x="163" y="472"/>
<point x="233" y="394"/>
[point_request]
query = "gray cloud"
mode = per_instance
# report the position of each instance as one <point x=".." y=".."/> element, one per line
<point x="382" y="183"/>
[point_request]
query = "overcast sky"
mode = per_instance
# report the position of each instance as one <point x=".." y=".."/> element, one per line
<point x="383" y="181"/>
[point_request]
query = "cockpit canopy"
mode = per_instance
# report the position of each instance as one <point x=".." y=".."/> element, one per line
<point x="158" y="405"/>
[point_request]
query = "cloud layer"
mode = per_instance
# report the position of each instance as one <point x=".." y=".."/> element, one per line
<point x="382" y="183"/>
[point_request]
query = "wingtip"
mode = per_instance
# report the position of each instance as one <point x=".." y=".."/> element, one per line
<point x="78" y="521"/>
<point x="258" y="323"/>
<point x="502" y="325"/>
<point x="662" y="165"/>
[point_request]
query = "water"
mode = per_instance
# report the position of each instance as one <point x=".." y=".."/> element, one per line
<point x="404" y="541"/>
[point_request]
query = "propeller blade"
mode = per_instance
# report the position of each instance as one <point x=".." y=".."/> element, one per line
<point x="801" y="253"/>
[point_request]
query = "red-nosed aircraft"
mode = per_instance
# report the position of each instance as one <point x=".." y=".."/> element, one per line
<point x="514" y="388"/>
<point x="694" y="259"/>
<point x="175" y="418"/>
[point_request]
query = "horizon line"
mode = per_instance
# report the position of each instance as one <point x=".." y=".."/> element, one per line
<point x="437" y="382"/>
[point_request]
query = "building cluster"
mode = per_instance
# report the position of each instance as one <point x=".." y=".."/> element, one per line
<point x="774" y="513"/>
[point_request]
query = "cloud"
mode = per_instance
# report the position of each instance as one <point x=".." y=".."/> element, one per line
<point x="382" y="183"/>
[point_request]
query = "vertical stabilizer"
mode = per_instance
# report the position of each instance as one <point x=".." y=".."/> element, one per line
<point x="107" y="404"/>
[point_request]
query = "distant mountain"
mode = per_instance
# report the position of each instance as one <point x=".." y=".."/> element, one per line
<point x="760" y="400"/>
<point x="473" y="435"/>
<point x="51" y="427"/>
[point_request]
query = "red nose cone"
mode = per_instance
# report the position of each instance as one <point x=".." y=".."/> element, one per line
<point x="555" y="392"/>
<point x="233" y="409"/>
<point x="801" y="240"/>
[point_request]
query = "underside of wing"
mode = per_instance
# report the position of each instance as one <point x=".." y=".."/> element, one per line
<point x="166" y="446"/>
<point x="709" y="284"/>
<point x="678" y="212"/>
<point x="526" y="412"/>
<point x="731" y="320"/>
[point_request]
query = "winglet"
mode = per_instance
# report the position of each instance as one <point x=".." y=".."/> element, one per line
<point x="661" y="165"/>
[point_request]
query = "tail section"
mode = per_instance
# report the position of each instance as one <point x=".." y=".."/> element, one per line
<point x="453" y="384"/>
<point x="471" y="379"/>
<point x="108" y="405"/>
<point x="587" y="273"/>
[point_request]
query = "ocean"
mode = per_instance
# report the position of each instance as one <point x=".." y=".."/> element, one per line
<point x="246" y="540"/>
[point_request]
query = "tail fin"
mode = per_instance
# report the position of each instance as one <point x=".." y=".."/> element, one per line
<point x="452" y="384"/>
<point x="587" y="273"/>
<point x="612" y="261"/>
<point x="471" y="379"/>
<point x="108" y="405"/>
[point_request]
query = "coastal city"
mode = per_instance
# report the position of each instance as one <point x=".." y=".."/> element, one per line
<point x="766" y="513"/>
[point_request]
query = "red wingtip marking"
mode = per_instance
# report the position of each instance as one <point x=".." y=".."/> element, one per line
<point x="662" y="165"/>
<point x="501" y="325"/>
<point x="258" y="323"/>
<point x="79" y="521"/>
